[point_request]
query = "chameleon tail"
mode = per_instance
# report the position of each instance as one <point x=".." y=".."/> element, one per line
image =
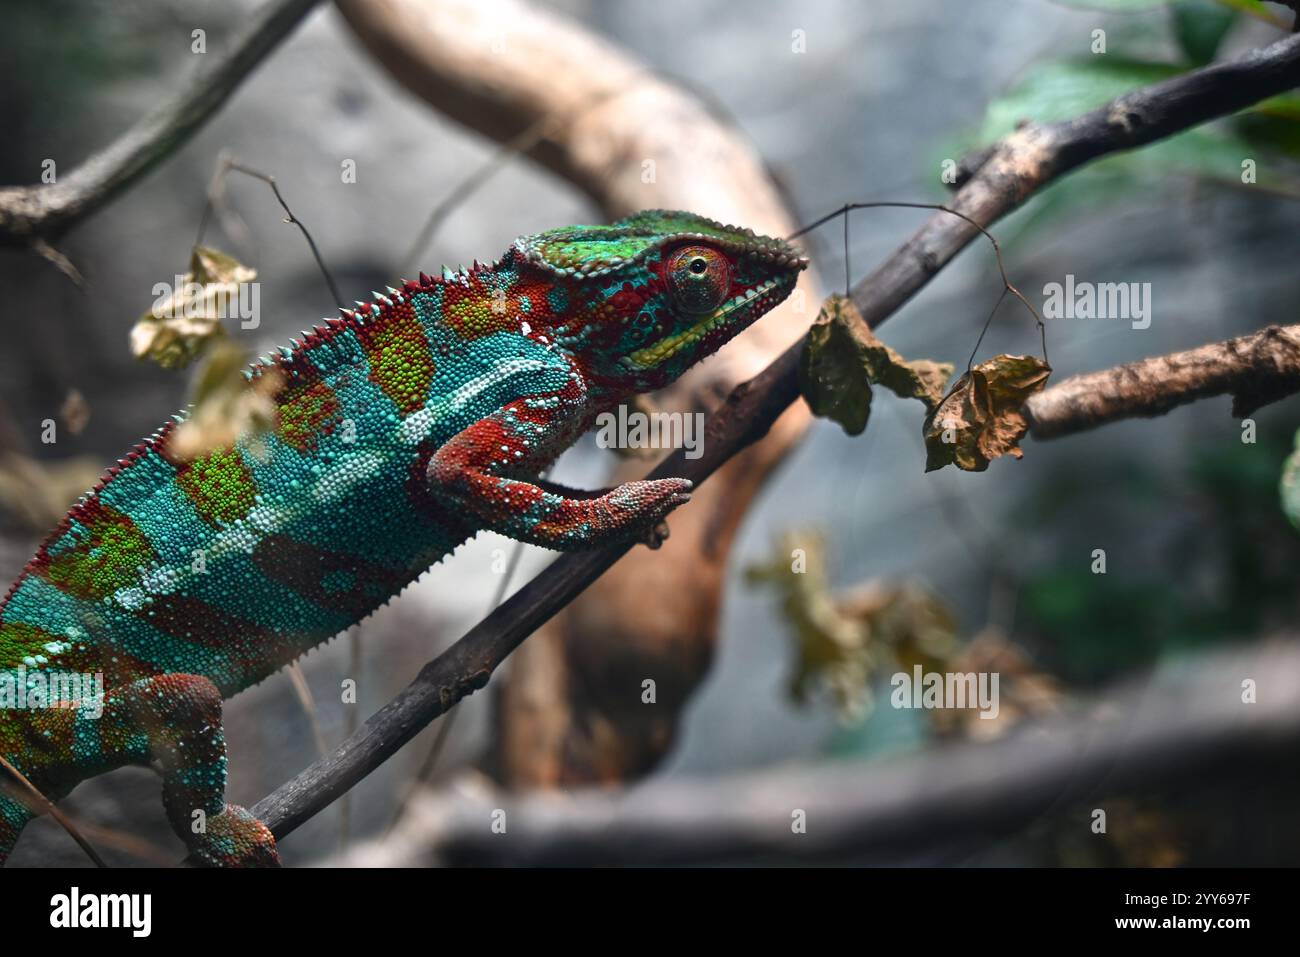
<point x="13" y="817"/>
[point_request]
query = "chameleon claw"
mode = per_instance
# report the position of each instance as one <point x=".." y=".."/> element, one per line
<point x="656" y="535"/>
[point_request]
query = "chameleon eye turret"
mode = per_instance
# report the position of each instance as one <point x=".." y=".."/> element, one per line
<point x="699" y="278"/>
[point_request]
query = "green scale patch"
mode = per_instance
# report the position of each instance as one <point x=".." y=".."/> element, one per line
<point x="220" y="485"/>
<point x="307" y="411"/>
<point x="101" y="551"/>
<point x="398" y="353"/>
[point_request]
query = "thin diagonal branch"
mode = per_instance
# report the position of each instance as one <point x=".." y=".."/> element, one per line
<point x="1015" y="169"/>
<point x="31" y="213"/>
<point x="22" y="790"/>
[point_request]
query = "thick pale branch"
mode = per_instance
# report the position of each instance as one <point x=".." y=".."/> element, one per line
<point x="32" y="213"/>
<point x="1255" y="370"/>
<point x="629" y="138"/>
<point x="1159" y="732"/>
<point x="1016" y="168"/>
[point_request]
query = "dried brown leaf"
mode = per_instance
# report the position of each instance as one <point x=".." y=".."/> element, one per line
<point x="982" y="417"/>
<point x="841" y="360"/>
<point x="179" y="328"/>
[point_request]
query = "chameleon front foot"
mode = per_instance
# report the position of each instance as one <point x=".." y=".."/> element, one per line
<point x="634" y="511"/>
<point x="651" y="498"/>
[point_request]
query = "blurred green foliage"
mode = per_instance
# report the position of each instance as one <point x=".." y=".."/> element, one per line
<point x="1227" y="573"/>
<point x="1168" y="39"/>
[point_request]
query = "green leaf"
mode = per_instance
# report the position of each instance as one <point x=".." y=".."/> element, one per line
<point x="1252" y="7"/>
<point x="1200" y="26"/>
<point x="982" y="417"/>
<point x="1060" y="89"/>
<point x="1258" y="10"/>
<point x="1290" y="485"/>
<point x="843" y="358"/>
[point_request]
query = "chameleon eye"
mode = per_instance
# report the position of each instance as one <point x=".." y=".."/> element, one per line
<point x="699" y="278"/>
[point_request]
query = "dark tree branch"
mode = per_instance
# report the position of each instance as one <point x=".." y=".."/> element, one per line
<point x="1255" y="370"/>
<point x="1158" y="732"/>
<point x="30" y="214"/>
<point x="1017" y="167"/>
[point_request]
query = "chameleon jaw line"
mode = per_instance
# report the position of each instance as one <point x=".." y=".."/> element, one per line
<point x="666" y="348"/>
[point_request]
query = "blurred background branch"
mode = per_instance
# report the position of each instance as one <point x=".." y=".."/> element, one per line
<point x="1156" y="733"/>
<point x="39" y="213"/>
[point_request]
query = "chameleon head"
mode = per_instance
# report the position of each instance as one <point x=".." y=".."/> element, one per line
<point x="658" y="291"/>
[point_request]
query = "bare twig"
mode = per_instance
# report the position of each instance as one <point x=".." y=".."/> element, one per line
<point x="1255" y="370"/>
<point x="302" y="691"/>
<point x="32" y="213"/>
<point x="1007" y="285"/>
<point x="59" y="261"/>
<point x="1019" y="165"/>
<point x="27" y="793"/>
<point x="228" y="164"/>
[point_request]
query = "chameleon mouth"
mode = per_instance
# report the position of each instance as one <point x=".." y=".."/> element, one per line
<point x="669" y="346"/>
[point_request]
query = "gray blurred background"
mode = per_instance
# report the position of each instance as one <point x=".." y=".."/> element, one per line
<point x="1198" y="551"/>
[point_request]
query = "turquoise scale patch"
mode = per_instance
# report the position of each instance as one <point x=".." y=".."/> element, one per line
<point x="339" y="582"/>
<point x="342" y="351"/>
<point x="386" y="532"/>
<point x="39" y="603"/>
<point x="164" y="513"/>
<point x="74" y="535"/>
<point x="262" y="601"/>
<point x="135" y="636"/>
<point x="558" y="299"/>
<point x="480" y="366"/>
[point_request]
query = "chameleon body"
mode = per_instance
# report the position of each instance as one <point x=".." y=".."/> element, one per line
<point x="402" y="428"/>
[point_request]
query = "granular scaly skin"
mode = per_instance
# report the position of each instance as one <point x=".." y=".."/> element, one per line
<point x="403" y="428"/>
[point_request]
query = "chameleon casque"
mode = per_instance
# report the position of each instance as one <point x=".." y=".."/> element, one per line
<point x="402" y="428"/>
